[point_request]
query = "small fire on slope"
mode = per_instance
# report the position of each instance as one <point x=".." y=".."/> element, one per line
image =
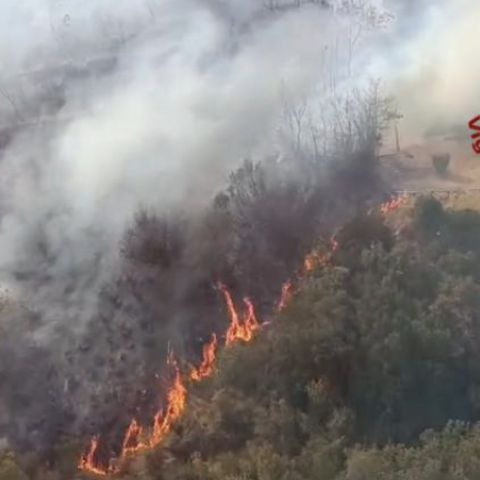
<point x="239" y="329"/>
<point x="176" y="402"/>
<point x="136" y="438"/>
<point x="314" y="259"/>
<point x="286" y="296"/>
<point x="132" y="442"/>
<point x="244" y="328"/>
<point x="87" y="462"/>
<point x="393" y="204"/>
<point x="205" y="369"/>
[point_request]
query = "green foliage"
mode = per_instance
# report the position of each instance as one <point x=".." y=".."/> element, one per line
<point x="448" y="231"/>
<point x="376" y="350"/>
<point x="9" y="469"/>
<point x="67" y="453"/>
<point x="373" y="350"/>
<point x="452" y="454"/>
<point x="360" y="233"/>
<point x="429" y="216"/>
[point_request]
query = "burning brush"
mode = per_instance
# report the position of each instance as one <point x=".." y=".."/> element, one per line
<point x="242" y="327"/>
<point x="138" y="439"/>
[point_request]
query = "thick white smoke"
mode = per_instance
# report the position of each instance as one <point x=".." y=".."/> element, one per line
<point x="429" y="64"/>
<point x="190" y="87"/>
<point x="197" y="85"/>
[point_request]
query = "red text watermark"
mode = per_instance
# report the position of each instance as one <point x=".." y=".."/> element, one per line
<point x="474" y="124"/>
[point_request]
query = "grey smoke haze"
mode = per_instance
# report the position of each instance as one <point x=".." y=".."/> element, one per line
<point x="199" y="88"/>
<point x="198" y="85"/>
<point x="429" y="63"/>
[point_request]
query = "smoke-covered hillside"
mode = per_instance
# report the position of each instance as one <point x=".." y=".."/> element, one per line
<point x="152" y="149"/>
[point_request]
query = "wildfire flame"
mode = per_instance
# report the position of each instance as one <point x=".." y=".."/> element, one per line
<point x="243" y="328"/>
<point x="239" y="329"/>
<point x="206" y="367"/>
<point x="87" y="462"/>
<point x="315" y="259"/>
<point x="176" y="402"/>
<point x="310" y="261"/>
<point x="132" y="442"/>
<point x="134" y="439"/>
<point x="287" y="292"/>
<point x="393" y="204"/>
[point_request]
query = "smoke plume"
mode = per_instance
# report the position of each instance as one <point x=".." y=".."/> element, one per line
<point x="110" y="106"/>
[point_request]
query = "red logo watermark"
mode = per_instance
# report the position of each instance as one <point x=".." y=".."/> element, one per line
<point x="474" y="124"/>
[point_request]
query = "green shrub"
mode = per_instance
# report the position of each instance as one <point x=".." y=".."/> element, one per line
<point x="9" y="470"/>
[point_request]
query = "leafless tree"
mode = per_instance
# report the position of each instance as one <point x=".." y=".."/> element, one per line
<point x="12" y="100"/>
<point x="296" y="117"/>
<point x="283" y="5"/>
<point x="151" y="6"/>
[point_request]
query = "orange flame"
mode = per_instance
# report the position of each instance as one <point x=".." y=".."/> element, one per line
<point x="285" y="296"/>
<point x="315" y="259"/>
<point x="393" y="204"/>
<point x="310" y="261"/>
<point x="239" y="329"/>
<point x="206" y="367"/>
<point x="176" y="401"/>
<point x="133" y="439"/>
<point x="243" y="331"/>
<point x="87" y="461"/>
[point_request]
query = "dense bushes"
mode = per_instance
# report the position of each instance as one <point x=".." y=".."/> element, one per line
<point x="161" y="293"/>
<point x="371" y="353"/>
<point x="371" y="372"/>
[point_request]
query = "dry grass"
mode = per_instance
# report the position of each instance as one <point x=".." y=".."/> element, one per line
<point x="464" y="200"/>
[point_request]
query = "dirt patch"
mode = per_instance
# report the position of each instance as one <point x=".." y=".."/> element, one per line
<point x="412" y="168"/>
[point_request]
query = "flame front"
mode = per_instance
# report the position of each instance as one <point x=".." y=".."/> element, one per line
<point x="393" y="204"/>
<point x="286" y="295"/>
<point x="310" y="261"/>
<point x="132" y="441"/>
<point x="315" y="259"/>
<point x="239" y="329"/>
<point x="135" y="438"/>
<point x="88" y="462"/>
<point x="176" y="402"/>
<point x="242" y="327"/>
<point x="232" y="312"/>
<point x="209" y="356"/>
